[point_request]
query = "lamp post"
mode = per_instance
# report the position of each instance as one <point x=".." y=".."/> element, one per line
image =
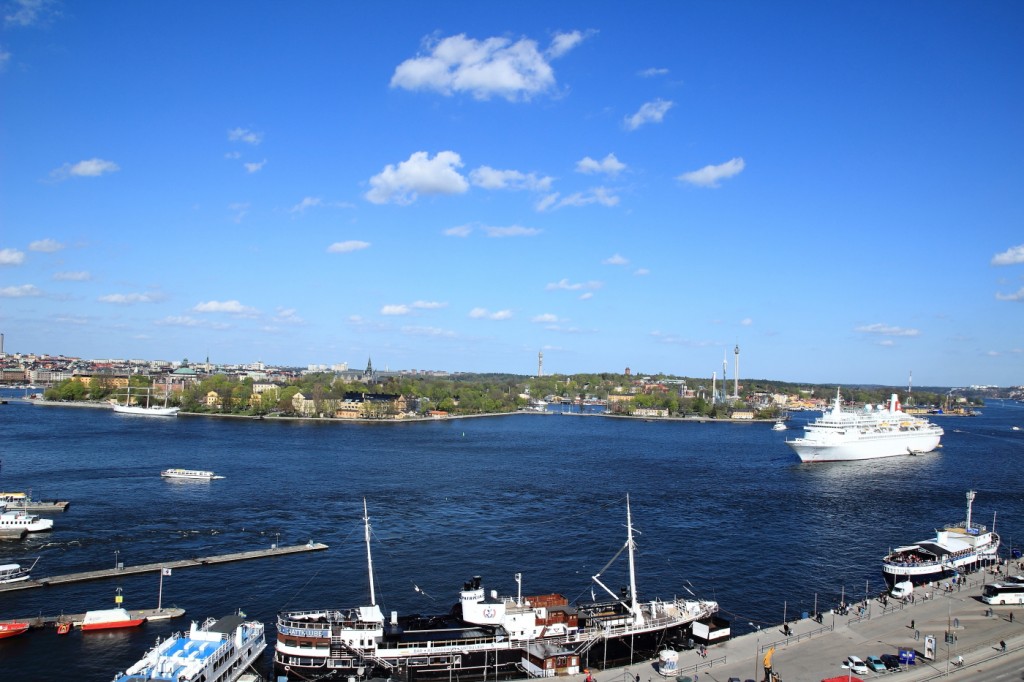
<point x="117" y="552"/>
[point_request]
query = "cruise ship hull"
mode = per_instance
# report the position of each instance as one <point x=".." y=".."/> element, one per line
<point x="865" y="448"/>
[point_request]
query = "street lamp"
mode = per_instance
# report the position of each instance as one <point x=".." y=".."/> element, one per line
<point x="116" y="562"/>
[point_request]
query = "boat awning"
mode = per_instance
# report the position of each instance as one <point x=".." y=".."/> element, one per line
<point x="370" y="614"/>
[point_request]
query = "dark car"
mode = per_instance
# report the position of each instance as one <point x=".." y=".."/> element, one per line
<point x="891" y="661"/>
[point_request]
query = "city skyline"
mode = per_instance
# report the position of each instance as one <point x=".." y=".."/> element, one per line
<point x="459" y="187"/>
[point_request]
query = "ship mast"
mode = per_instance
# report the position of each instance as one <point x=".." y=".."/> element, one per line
<point x="369" y="556"/>
<point x="633" y="607"/>
<point x="632" y="567"/>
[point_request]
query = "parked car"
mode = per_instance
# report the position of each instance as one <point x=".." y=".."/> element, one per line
<point x="875" y="663"/>
<point x="858" y="666"/>
<point x="891" y="661"/>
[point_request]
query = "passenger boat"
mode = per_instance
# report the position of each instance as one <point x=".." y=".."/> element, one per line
<point x="146" y="408"/>
<point x="486" y="637"/>
<point x="16" y="520"/>
<point x="960" y="547"/>
<point x="24" y="502"/>
<point x="217" y="651"/>
<point x="109" y="619"/>
<point x="12" y="629"/>
<point x="190" y="474"/>
<point x="15" y="573"/>
<point x="867" y="433"/>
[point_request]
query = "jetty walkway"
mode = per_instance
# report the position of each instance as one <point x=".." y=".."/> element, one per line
<point x="153" y="567"/>
<point x="76" y="619"/>
<point x="815" y="651"/>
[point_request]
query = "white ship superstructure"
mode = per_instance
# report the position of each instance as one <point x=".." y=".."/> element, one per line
<point x="865" y="433"/>
<point x="218" y="651"/>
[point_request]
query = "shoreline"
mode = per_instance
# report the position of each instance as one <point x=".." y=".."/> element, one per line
<point x="40" y="402"/>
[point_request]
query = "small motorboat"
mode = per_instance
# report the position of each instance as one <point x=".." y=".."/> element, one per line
<point x="108" y="619"/>
<point x="779" y="426"/>
<point x="15" y="573"/>
<point x="12" y="629"/>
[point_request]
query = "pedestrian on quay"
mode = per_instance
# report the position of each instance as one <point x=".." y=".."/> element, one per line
<point x="911" y="623"/>
<point x="1002" y="645"/>
<point x="1011" y="616"/>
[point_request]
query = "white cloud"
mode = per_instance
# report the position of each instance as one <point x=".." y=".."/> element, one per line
<point x="563" y="42"/>
<point x="545" y="318"/>
<point x="80" y="276"/>
<point x="180" y="321"/>
<point x="233" y="307"/>
<point x="608" y="165"/>
<point x="399" y="309"/>
<point x="640" y="272"/>
<point x="307" y="202"/>
<point x="484" y="313"/>
<point x="23" y="13"/>
<point x="427" y="331"/>
<point x="483" y="68"/>
<point x="511" y="231"/>
<point x="458" y="231"/>
<point x="255" y="167"/>
<point x="886" y="330"/>
<point x="492" y="178"/>
<point x="286" y="316"/>
<point x="21" y="291"/>
<point x="245" y="135"/>
<point x="587" y="296"/>
<point x="90" y="168"/>
<point x="596" y="195"/>
<point x="126" y="299"/>
<point x="650" y="112"/>
<point x="240" y="209"/>
<point x="651" y="72"/>
<point x="1012" y="256"/>
<point x="616" y="260"/>
<point x="347" y="247"/>
<point x="419" y="174"/>
<point x="566" y="285"/>
<point x="746" y="321"/>
<point x="708" y="176"/>
<point x="428" y="305"/>
<point x="45" y="245"/>
<point x="11" y="257"/>
<point x="1018" y="296"/>
<point x="5" y="59"/>
<point x="233" y="155"/>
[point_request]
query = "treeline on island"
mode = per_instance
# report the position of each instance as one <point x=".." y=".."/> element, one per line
<point x="467" y="394"/>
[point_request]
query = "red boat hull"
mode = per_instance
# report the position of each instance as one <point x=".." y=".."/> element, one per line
<point x="12" y="629"/>
<point x="114" y="624"/>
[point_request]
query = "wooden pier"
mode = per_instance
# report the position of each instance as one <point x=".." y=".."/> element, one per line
<point x="151" y="568"/>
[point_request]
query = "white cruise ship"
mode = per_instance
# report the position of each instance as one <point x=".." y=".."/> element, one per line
<point x="865" y="433"/>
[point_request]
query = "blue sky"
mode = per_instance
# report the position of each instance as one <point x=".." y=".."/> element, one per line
<point x="836" y="187"/>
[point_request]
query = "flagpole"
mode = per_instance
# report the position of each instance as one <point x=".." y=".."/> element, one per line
<point x="160" y="594"/>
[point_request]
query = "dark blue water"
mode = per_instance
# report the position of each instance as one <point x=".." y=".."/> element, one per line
<point x="725" y="510"/>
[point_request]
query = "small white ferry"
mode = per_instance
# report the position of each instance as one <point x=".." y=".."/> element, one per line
<point x="218" y="651"/>
<point x="190" y="474"/>
<point x="15" y="573"/>
<point x="18" y="520"/>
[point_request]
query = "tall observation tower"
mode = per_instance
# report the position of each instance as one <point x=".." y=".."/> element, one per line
<point x="736" y="374"/>
<point x="540" y="363"/>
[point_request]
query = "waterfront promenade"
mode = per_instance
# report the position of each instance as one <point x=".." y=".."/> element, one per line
<point x="814" y="652"/>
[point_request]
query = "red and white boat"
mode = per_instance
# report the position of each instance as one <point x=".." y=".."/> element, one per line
<point x="12" y="629"/>
<point x="107" y="619"/>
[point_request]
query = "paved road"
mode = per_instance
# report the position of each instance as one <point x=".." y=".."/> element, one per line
<point x="815" y="651"/>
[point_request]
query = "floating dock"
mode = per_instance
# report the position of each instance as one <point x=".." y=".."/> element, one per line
<point x="77" y="618"/>
<point x="152" y="568"/>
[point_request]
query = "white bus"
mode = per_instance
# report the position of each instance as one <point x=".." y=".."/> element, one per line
<point x="1003" y="593"/>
